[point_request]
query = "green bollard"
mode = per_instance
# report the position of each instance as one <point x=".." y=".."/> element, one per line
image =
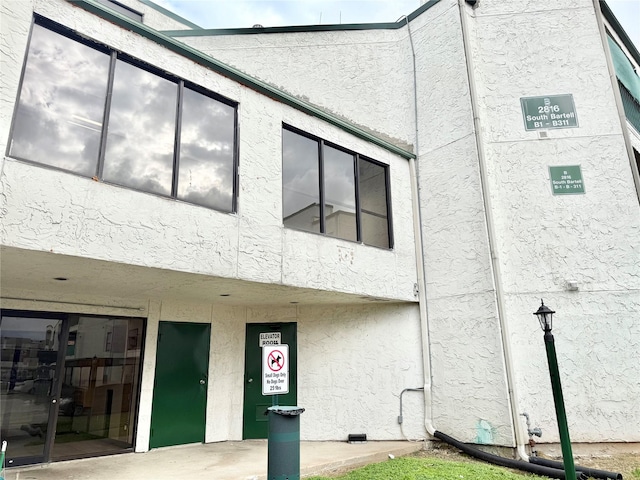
<point x="283" y="445"/>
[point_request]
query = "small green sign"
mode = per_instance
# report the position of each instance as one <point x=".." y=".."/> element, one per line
<point x="552" y="111"/>
<point x="566" y="180"/>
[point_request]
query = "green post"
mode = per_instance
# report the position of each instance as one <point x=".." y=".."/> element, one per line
<point x="558" y="400"/>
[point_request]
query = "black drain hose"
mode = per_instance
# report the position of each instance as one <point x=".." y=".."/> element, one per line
<point x="550" y="472"/>
<point x="589" y="472"/>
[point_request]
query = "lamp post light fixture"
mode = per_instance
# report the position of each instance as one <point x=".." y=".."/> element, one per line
<point x="545" y="317"/>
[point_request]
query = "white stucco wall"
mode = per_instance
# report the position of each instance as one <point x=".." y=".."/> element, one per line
<point x="469" y="387"/>
<point x="373" y="349"/>
<point x="374" y="69"/>
<point x="41" y="206"/>
<point x="339" y="71"/>
<point x="353" y="363"/>
<point x="544" y="240"/>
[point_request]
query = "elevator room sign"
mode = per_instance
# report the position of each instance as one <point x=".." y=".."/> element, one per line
<point x="548" y="112"/>
<point x="275" y="369"/>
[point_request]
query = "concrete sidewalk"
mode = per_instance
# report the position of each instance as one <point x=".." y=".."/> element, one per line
<point x="246" y="460"/>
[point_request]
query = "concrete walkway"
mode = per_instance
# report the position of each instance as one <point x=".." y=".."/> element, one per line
<point x="246" y="460"/>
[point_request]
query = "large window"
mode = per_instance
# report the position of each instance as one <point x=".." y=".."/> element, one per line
<point x="88" y="110"/>
<point x="333" y="191"/>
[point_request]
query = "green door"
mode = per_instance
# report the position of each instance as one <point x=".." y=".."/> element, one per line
<point x="255" y="404"/>
<point x="180" y="390"/>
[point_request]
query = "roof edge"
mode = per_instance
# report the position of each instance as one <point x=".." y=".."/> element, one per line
<point x="171" y="14"/>
<point x="304" y="28"/>
<point x="234" y="74"/>
<point x="617" y="28"/>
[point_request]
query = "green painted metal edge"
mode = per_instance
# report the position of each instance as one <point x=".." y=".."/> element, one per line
<point x="235" y="75"/>
<point x="615" y="24"/>
<point x="207" y="32"/>
<point x="302" y="28"/>
<point x="170" y="14"/>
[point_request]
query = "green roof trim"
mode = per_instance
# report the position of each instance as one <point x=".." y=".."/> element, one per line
<point x="207" y="32"/>
<point x="170" y="14"/>
<point x="302" y="28"/>
<point x="234" y="74"/>
<point x="615" y="24"/>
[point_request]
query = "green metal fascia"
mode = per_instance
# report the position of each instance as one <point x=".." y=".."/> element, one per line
<point x="301" y="28"/>
<point x="235" y="75"/>
<point x="170" y="14"/>
<point x="209" y="32"/>
<point x="615" y="24"/>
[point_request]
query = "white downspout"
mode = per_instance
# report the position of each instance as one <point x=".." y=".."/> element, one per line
<point x="417" y="227"/>
<point x="521" y="440"/>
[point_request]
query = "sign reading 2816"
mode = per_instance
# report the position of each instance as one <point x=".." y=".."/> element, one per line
<point x="275" y="369"/>
<point x="550" y="111"/>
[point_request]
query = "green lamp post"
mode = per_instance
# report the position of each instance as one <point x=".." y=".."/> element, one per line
<point x="545" y="317"/>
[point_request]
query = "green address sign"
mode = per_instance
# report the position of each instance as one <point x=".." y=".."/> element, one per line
<point x="551" y="111"/>
<point x="566" y="180"/>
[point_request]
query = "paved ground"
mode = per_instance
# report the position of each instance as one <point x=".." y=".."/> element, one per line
<point x="246" y="460"/>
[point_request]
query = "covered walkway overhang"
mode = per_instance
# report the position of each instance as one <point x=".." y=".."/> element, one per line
<point x="48" y="281"/>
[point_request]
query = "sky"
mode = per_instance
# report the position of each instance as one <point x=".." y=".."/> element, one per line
<point x="273" y="13"/>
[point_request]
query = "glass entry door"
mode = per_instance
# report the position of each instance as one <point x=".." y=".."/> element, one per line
<point x="99" y="391"/>
<point x="70" y="385"/>
<point x="28" y="369"/>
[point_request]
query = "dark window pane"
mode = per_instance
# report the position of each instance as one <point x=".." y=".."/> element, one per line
<point x="141" y="131"/>
<point x="339" y="194"/>
<point x="206" y="152"/>
<point x="373" y="204"/>
<point x="300" y="184"/>
<point x="59" y="118"/>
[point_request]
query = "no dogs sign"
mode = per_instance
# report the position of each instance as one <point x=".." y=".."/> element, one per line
<point x="275" y="369"/>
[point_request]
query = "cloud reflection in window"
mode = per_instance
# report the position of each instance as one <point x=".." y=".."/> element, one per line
<point x="59" y="117"/>
<point x="141" y="135"/>
<point x="206" y="152"/>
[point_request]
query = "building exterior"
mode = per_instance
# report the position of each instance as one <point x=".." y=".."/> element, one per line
<point x="389" y="200"/>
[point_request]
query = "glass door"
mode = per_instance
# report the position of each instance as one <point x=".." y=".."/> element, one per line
<point x="100" y="383"/>
<point x="29" y="358"/>
<point x="69" y="385"/>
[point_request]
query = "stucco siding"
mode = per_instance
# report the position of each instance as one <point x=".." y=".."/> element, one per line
<point x="544" y="240"/>
<point x="339" y="71"/>
<point x="58" y="212"/>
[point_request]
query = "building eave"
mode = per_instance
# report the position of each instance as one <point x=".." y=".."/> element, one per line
<point x="619" y="30"/>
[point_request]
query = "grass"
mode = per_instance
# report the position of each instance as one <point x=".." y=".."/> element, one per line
<point x="428" y="468"/>
<point x="636" y="473"/>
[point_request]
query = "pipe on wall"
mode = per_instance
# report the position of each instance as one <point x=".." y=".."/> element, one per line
<point x="419" y="249"/>
<point x="520" y="438"/>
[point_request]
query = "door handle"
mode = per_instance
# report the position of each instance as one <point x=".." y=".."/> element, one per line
<point x="201" y="382"/>
<point x="54" y="401"/>
<point x="250" y="380"/>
